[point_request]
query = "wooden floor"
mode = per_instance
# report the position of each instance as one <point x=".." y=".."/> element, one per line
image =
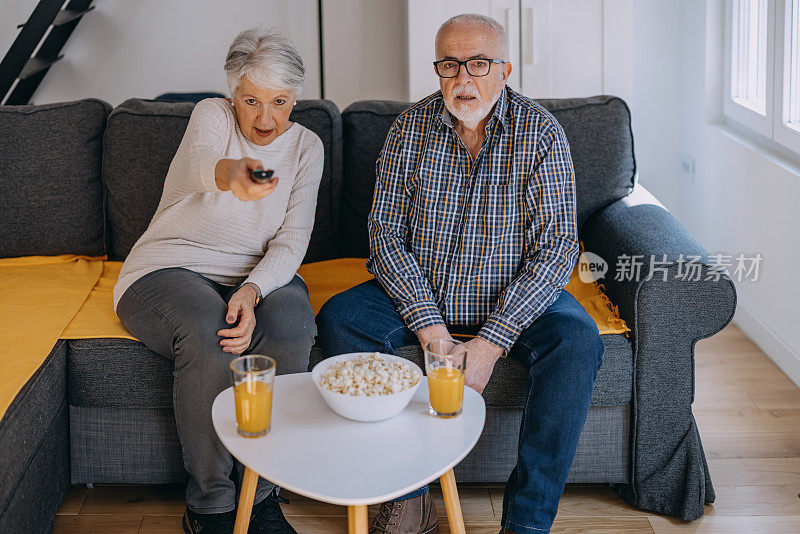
<point x="748" y="412"/>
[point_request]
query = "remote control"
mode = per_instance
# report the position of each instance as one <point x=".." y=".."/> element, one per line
<point x="261" y="176"/>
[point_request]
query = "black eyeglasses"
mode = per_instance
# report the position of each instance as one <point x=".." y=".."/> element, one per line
<point x="449" y="68"/>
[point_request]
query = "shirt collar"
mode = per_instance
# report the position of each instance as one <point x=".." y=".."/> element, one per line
<point x="500" y="111"/>
<point x="501" y="107"/>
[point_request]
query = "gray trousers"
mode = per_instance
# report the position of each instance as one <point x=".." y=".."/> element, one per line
<point x="177" y="313"/>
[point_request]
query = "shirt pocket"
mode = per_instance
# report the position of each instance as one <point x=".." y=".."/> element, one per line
<point x="500" y="212"/>
<point x="498" y="228"/>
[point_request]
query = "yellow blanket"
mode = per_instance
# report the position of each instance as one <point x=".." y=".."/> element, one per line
<point x="96" y="317"/>
<point x="40" y="295"/>
<point x="70" y="297"/>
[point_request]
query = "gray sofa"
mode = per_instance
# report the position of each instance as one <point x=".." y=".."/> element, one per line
<point x="100" y="410"/>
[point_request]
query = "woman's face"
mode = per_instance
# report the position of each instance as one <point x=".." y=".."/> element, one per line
<point x="263" y="114"/>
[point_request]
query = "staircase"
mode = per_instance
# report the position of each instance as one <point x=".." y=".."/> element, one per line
<point x="37" y="47"/>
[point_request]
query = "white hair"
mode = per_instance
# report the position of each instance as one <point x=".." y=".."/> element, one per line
<point x="474" y="19"/>
<point x="267" y="57"/>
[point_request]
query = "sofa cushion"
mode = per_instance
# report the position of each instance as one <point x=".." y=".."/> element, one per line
<point x="598" y="129"/>
<point x="117" y="373"/>
<point x="122" y="373"/>
<point x="141" y="140"/>
<point x="602" y="454"/>
<point x="50" y="179"/>
<point x="142" y="447"/>
<point x="124" y="446"/>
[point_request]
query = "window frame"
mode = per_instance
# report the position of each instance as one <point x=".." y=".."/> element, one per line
<point x="773" y="126"/>
<point x="762" y="124"/>
<point x="787" y="136"/>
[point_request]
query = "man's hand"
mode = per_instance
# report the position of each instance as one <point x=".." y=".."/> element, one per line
<point x="234" y="175"/>
<point x="429" y="333"/>
<point x="240" y="306"/>
<point x="481" y="357"/>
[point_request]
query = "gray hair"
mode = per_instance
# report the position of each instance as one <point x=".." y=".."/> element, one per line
<point x="267" y="57"/>
<point x="482" y="20"/>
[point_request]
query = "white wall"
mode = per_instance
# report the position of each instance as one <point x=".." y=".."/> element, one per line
<point x="575" y="49"/>
<point x="742" y="197"/>
<point x="618" y="49"/>
<point x="364" y="54"/>
<point x="147" y="47"/>
<point x="142" y="48"/>
<point x="654" y="105"/>
<point x="11" y="14"/>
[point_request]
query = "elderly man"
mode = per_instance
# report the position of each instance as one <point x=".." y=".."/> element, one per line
<point x="473" y="231"/>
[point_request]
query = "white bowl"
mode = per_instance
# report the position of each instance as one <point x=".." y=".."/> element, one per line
<point x="372" y="408"/>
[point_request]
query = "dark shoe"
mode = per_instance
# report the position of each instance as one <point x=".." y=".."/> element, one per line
<point x="268" y="518"/>
<point x="412" y="516"/>
<point x="194" y="523"/>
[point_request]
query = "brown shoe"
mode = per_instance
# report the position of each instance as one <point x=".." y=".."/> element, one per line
<point x="412" y="516"/>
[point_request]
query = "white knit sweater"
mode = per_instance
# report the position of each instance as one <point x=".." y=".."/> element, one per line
<point x="211" y="232"/>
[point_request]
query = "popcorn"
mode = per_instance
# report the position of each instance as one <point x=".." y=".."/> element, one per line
<point x="365" y="376"/>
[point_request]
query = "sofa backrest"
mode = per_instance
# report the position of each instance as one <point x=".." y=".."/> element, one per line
<point x="50" y="169"/>
<point x="365" y="125"/>
<point x="598" y="129"/>
<point x="50" y="178"/>
<point x="600" y="139"/>
<point x="141" y="140"/>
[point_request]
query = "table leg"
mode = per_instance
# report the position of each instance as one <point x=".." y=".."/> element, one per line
<point x="451" y="502"/>
<point x="357" y="519"/>
<point x="246" y="497"/>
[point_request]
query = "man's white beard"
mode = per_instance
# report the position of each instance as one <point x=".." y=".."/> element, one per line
<point x="471" y="116"/>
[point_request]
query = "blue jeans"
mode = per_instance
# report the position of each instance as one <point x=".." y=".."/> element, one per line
<point x="562" y="350"/>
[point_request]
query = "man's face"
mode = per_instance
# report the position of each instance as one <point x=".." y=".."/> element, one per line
<point x="470" y="99"/>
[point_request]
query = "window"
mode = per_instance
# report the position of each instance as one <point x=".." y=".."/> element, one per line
<point x="787" y="129"/>
<point x="749" y="55"/>
<point x="749" y="43"/>
<point x="762" y="68"/>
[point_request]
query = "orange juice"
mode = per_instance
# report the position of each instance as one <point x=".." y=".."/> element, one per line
<point x="253" y="407"/>
<point x="446" y="387"/>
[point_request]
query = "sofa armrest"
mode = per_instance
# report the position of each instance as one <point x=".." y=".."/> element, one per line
<point x="639" y="225"/>
<point x="667" y="315"/>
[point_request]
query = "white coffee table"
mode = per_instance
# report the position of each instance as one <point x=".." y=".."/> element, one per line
<point x="313" y="452"/>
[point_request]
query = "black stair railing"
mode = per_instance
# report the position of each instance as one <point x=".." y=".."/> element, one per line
<point x="27" y="70"/>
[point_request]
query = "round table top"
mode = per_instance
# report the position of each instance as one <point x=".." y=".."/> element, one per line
<point x="314" y="452"/>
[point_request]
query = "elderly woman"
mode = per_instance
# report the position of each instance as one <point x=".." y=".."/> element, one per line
<point x="214" y="277"/>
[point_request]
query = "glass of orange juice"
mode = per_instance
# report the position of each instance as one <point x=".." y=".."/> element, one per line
<point x="445" y="361"/>
<point x="252" y="377"/>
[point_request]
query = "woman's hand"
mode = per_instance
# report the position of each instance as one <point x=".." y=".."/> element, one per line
<point x="240" y="306"/>
<point x="234" y="175"/>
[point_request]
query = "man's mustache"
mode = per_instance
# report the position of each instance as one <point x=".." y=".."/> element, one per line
<point x="464" y="91"/>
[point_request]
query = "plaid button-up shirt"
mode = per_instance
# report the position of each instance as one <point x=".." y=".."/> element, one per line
<point x="487" y="242"/>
